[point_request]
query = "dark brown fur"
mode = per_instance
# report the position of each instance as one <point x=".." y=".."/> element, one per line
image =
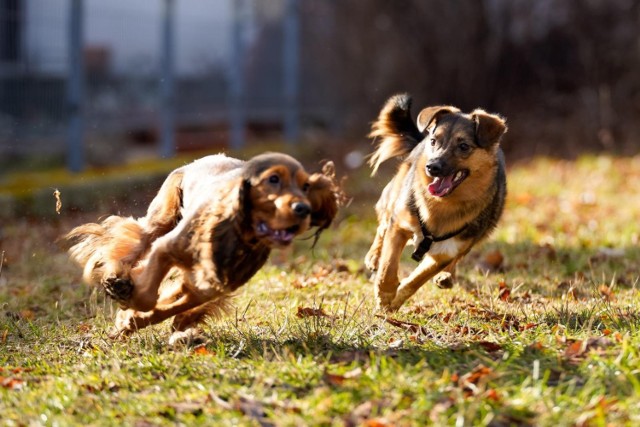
<point x="455" y="155"/>
<point x="213" y="224"/>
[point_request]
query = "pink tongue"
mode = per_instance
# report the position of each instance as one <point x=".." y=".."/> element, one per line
<point x="441" y="186"/>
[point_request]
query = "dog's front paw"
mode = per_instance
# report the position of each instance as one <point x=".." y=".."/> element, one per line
<point x="118" y="288"/>
<point x="188" y="337"/>
<point x="383" y="301"/>
<point x="371" y="261"/>
<point x="444" y="280"/>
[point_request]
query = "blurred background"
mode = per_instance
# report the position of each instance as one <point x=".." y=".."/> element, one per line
<point x="89" y="83"/>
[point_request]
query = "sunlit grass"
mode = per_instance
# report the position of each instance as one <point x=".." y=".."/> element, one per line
<point x="561" y="348"/>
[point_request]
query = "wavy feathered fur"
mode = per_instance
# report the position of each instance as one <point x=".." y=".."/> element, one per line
<point x="213" y="224"/>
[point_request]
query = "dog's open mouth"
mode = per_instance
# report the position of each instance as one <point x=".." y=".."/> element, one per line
<point x="444" y="185"/>
<point x="281" y="237"/>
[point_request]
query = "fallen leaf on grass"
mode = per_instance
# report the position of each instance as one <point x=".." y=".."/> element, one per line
<point x="339" y="379"/>
<point x="491" y="263"/>
<point x="606" y="293"/>
<point x="203" y="351"/>
<point x="490" y="346"/>
<point x="492" y="395"/>
<point x="311" y="312"/>
<point x="469" y="381"/>
<point x="504" y="292"/>
<point x="576" y="350"/>
<point x="378" y="422"/>
<point x="411" y="327"/>
<point x="536" y="346"/>
<point x="528" y="326"/>
<point x="11" y="383"/>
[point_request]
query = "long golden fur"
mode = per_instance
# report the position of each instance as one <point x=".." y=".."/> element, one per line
<point x="447" y="194"/>
<point x="213" y="224"/>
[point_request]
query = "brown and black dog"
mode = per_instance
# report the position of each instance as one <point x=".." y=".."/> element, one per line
<point x="213" y="223"/>
<point x="447" y="195"/>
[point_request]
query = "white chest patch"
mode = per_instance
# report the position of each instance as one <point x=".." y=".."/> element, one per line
<point x="449" y="247"/>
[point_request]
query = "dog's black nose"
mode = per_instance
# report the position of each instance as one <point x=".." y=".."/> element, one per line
<point x="434" y="168"/>
<point x="301" y="210"/>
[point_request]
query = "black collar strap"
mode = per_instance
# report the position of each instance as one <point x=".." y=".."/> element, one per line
<point x="427" y="238"/>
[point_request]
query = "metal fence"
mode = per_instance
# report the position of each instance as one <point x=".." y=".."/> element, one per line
<point x="80" y="78"/>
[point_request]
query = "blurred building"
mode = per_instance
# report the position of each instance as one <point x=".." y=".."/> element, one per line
<point x="122" y="56"/>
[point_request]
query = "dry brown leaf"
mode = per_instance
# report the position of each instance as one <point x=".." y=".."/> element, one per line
<point x="411" y="327"/>
<point x="491" y="263"/>
<point x="311" y="312"/>
<point x="490" y="346"/>
<point x="27" y="314"/>
<point x="493" y="395"/>
<point x="203" y="351"/>
<point x="11" y="383"/>
<point x="536" y="346"/>
<point x="528" y="326"/>
<point x="504" y="292"/>
<point x="579" y="348"/>
<point x="469" y="381"/>
<point x="378" y="422"/>
<point x="607" y="293"/>
<point x="339" y="379"/>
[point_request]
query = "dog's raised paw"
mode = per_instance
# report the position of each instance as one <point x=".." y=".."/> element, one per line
<point x="444" y="280"/>
<point x="118" y="288"/>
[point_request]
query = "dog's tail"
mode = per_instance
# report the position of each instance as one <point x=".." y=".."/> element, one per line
<point x="396" y="129"/>
<point x="106" y="248"/>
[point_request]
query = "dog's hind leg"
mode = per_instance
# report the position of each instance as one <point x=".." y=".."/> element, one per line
<point x="386" y="280"/>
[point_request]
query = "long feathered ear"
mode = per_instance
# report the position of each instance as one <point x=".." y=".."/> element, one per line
<point x="396" y="129"/>
<point x="325" y="196"/>
<point x="244" y="202"/>
<point x="431" y="114"/>
<point x="489" y="127"/>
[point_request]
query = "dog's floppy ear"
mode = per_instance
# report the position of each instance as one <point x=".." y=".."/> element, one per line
<point x="489" y="127"/>
<point x="325" y="197"/>
<point x="243" y="212"/>
<point x="431" y="114"/>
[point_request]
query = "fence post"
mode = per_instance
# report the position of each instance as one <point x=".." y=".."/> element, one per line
<point x="167" y="115"/>
<point x="75" y="88"/>
<point x="236" y="78"/>
<point x="291" y="76"/>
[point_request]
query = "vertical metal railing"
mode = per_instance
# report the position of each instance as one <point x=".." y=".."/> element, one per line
<point x="167" y="114"/>
<point x="75" y="88"/>
<point x="236" y="77"/>
<point x="291" y="71"/>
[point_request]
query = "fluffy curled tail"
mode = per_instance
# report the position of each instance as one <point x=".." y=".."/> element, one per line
<point x="106" y="249"/>
<point x="396" y="131"/>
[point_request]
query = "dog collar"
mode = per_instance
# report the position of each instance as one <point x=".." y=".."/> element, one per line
<point x="427" y="238"/>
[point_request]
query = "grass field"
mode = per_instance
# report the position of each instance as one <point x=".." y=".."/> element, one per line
<point x="542" y="328"/>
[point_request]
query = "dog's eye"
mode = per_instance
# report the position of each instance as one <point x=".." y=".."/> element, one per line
<point x="464" y="147"/>
<point x="432" y="140"/>
<point x="305" y="187"/>
<point x="274" y="179"/>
